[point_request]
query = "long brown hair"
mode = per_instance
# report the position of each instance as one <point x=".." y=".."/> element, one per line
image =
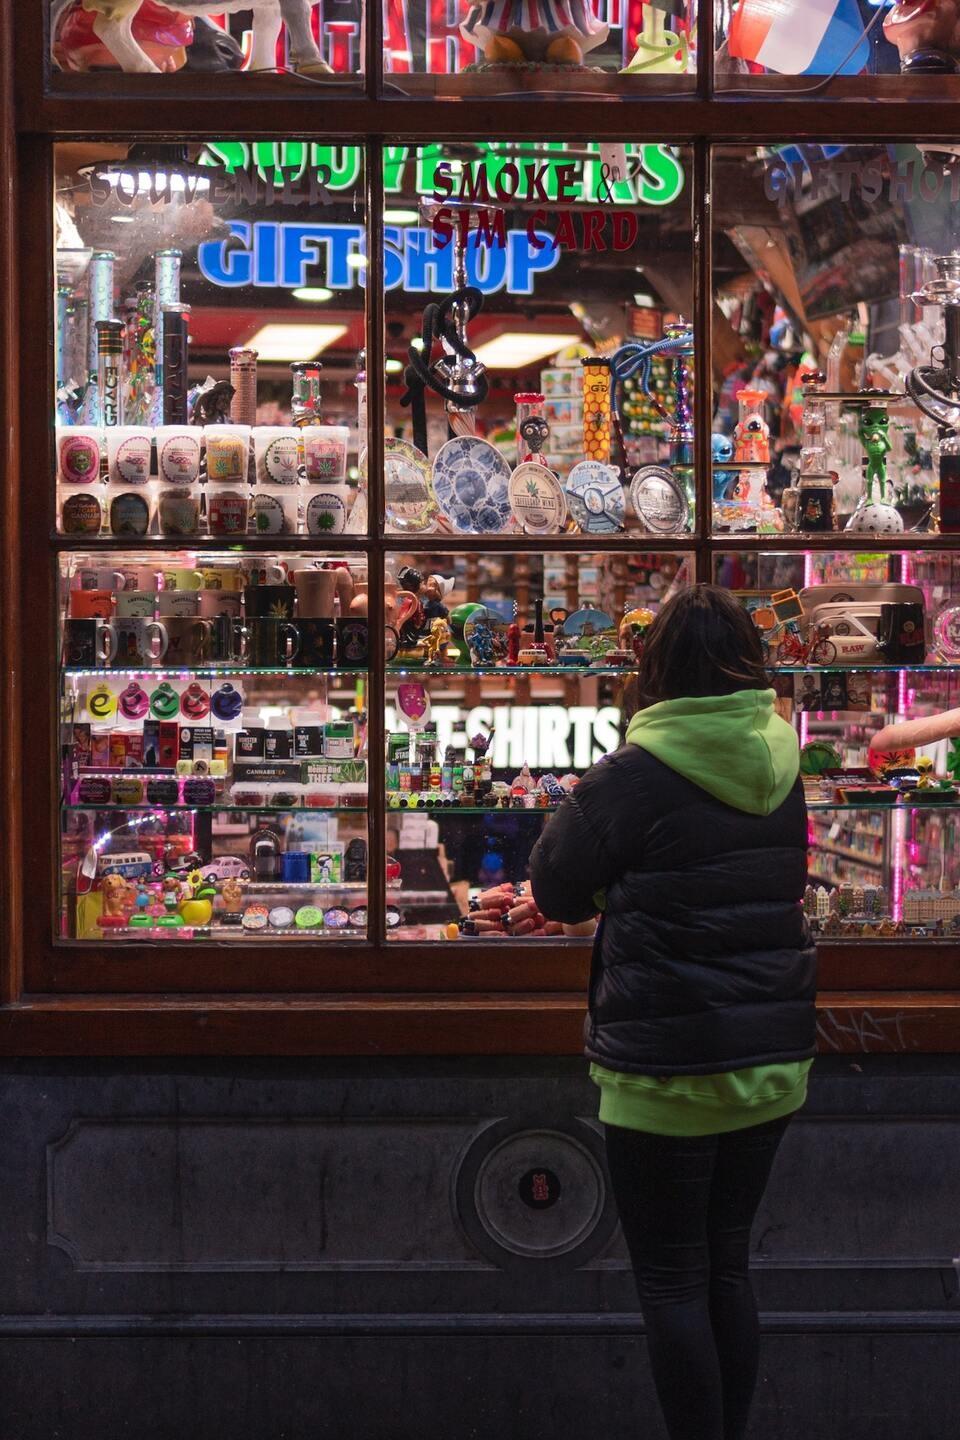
<point x="702" y="642"/>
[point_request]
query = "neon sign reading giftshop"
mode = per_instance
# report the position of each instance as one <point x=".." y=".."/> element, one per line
<point x="420" y="259"/>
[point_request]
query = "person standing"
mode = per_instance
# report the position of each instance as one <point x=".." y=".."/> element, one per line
<point x="691" y="843"/>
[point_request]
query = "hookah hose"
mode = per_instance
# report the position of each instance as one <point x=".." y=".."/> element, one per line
<point x="440" y="323"/>
<point x="933" y="388"/>
<point x="633" y="359"/>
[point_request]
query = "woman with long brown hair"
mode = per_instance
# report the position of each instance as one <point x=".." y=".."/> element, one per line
<point x="691" y="843"/>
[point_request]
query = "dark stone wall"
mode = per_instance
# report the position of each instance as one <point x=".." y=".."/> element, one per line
<point x="427" y="1249"/>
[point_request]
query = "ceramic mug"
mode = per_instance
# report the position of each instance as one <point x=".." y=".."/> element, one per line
<point x="353" y="642"/>
<point x="189" y="641"/>
<point x="100" y="579"/>
<point x="80" y="643"/>
<point x="139" y="577"/>
<point x="275" y="602"/>
<point x="267" y="643"/>
<point x="316" y="643"/>
<point x="91" y="604"/>
<point x="262" y="572"/>
<point x="219" y="602"/>
<point x="183" y="603"/>
<point x="136" y="604"/>
<point x="128" y="644"/>
<point x="182" y="580"/>
<point x="221" y="577"/>
<point x="315" y="591"/>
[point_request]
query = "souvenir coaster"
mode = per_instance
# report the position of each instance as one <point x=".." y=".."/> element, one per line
<point x="471" y="483"/>
<point x="595" y="497"/>
<point x="659" y="500"/>
<point x="537" y="499"/>
<point x="409" y="501"/>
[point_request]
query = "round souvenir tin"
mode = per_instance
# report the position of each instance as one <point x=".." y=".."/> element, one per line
<point x="537" y="499"/>
<point x="595" y="497"/>
<point x="659" y="500"/>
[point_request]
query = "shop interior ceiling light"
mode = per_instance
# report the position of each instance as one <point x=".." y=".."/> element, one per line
<point x="401" y="217"/>
<point x="316" y="294"/>
<point x="294" y="342"/>
<point x="516" y="348"/>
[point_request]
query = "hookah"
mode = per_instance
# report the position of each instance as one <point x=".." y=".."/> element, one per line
<point x="661" y="51"/>
<point x="633" y="359"/>
<point x="809" y="505"/>
<point x="457" y="376"/>
<point x="935" y="388"/>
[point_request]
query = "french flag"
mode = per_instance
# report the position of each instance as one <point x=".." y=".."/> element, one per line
<point x="800" y="37"/>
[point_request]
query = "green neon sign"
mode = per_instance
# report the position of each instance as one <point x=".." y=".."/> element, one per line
<point x="659" y="180"/>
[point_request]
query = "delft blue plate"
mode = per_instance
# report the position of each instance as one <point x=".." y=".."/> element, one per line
<point x="471" y="483"/>
<point x="595" y="497"/>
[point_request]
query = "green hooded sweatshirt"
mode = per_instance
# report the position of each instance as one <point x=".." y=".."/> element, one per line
<point x="738" y="749"/>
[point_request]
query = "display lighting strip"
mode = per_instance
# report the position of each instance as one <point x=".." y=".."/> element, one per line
<point x="105" y="671"/>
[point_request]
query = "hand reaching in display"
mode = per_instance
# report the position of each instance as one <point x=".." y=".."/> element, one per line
<point x="511" y="910"/>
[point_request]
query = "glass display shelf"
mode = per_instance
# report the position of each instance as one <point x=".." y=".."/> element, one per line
<point x="236" y="810"/>
<point x="212" y="672"/>
<point x="510" y="672"/>
<point x="898" y="807"/>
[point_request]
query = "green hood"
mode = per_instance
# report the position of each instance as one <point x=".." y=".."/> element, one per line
<point x="736" y="747"/>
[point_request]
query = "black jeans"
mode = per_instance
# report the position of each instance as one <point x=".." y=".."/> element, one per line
<point x="686" y="1206"/>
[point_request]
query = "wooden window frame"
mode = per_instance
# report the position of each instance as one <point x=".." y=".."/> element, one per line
<point x="370" y="997"/>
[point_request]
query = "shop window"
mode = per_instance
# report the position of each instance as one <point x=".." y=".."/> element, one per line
<point x="511" y="676"/>
<point x="843" y="47"/>
<point x="161" y="47"/>
<point x="550" y="47"/>
<point x="857" y="641"/>
<point x="210" y="508"/>
<point x="540" y="352"/>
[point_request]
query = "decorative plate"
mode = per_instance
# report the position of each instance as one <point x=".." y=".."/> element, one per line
<point x="497" y="627"/>
<point x="659" y="500"/>
<point x="471" y="483"/>
<point x="537" y="499"/>
<point x="595" y="497"/>
<point x="946" y="633"/>
<point x="411" y="505"/>
<point x="588" y="621"/>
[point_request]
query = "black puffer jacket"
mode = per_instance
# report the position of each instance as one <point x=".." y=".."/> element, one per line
<point x="703" y="962"/>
